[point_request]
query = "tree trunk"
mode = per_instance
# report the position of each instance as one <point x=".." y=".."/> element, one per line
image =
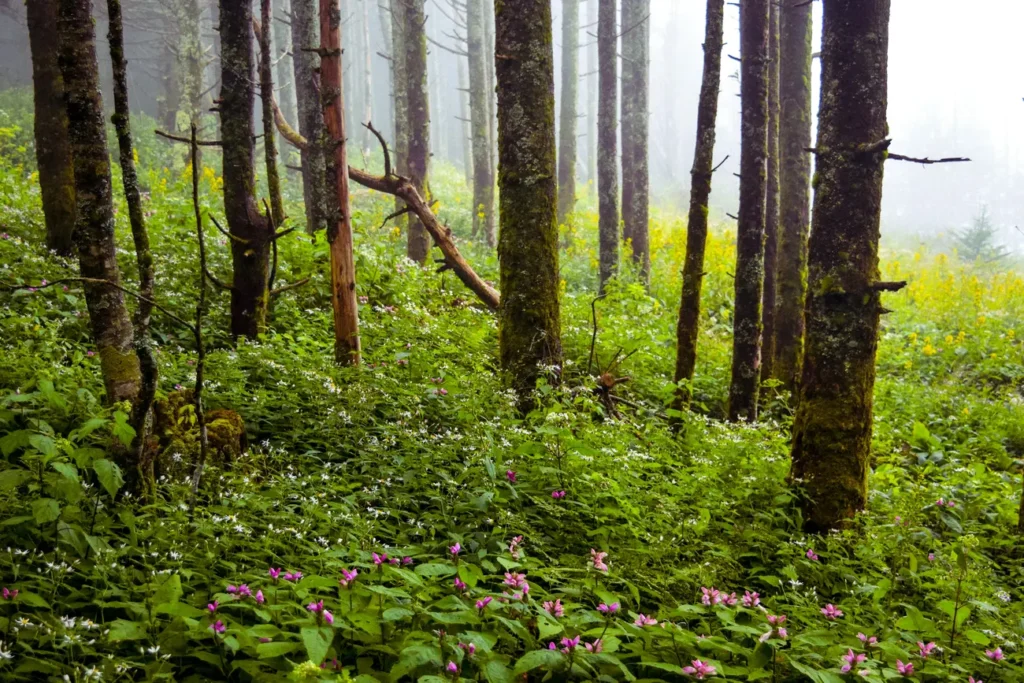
<point x="567" y="115"/>
<point x="746" y="345"/>
<point x="250" y="252"/>
<point x="592" y="88"/>
<point x="492" y="97"/>
<point x="467" y="126"/>
<point x="418" y="118"/>
<point x="53" y="149"/>
<point x="367" y="69"/>
<point x="305" y="36"/>
<point x="480" y="122"/>
<point x="94" y="224"/>
<point x="189" y="67"/>
<point x="529" y="335"/>
<point x="384" y="17"/>
<point x="795" y="190"/>
<point x="607" y="151"/>
<point x="267" y="102"/>
<point x="169" y="100"/>
<point x="284" y="53"/>
<point x="700" y="190"/>
<point x="635" y="28"/>
<point x="771" y="241"/>
<point x="832" y="428"/>
<point x="339" y="234"/>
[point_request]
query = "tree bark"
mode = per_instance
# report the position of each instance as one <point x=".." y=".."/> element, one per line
<point x="189" y="67"/>
<point x="305" y="36"/>
<point x="795" y="190"/>
<point x="832" y="428"/>
<point x="399" y="76"/>
<point x="700" y="190"/>
<point x="592" y="89"/>
<point x="529" y="336"/>
<point x="607" y="152"/>
<point x="492" y="97"/>
<point x="635" y="28"/>
<point x="169" y="100"/>
<point x="53" y="148"/>
<point x="465" y="112"/>
<point x="267" y="105"/>
<point x="339" y="232"/>
<point x="94" y="224"/>
<point x="285" y="56"/>
<point x="771" y="242"/>
<point x="480" y="122"/>
<point x="385" y="20"/>
<point x="417" y="106"/>
<point x="367" y="73"/>
<point x="746" y="345"/>
<point x="567" y="114"/>
<point x="250" y="250"/>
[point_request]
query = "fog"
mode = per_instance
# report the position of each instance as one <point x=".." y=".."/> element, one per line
<point x="955" y="89"/>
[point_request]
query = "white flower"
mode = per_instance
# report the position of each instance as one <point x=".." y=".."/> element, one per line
<point x="69" y="622"/>
<point x="5" y="654"/>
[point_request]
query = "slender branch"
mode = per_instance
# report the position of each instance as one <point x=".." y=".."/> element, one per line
<point x="178" y="138"/>
<point x="282" y="290"/>
<point x="236" y="238"/>
<point x="395" y="214"/>
<point x="926" y="160"/>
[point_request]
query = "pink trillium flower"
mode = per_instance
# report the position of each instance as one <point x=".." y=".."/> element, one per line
<point x="348" y="577"/>
<point x="570" y="644"/>
<point x="699" y="669"/>
<point x="455" y="549"/>
<point x="608" y="610"/>
<point x="294" y="577"/>
<point x="453" y="668"/>
<point x="926" y="649"/>
<point x="483" y="602"/>
<point x="380" y="559"/>
<point x="555" y="608"/>
<point x="869" y="641"/>
<point x="460" y="585"/>
<point x="644" y="620"/>
<point x="511" y="476"/>
<point x="594" y="647"/>
<point x="9" y="593"/>
<point x="831" y="612"/>
<point x="995" y="655"/>
<point x="212" y="607"/>
<point x="904" y="669"/>
<point x="218" y="626"/>
<point x="811" y="555"/>
<point x="259" y="597"/>
<point x="852" y="659"/>
<point x="274" y="573"/>
<point x="558" y="495"/>
<point x="751" y="599"/>
<point x="598" y="560"/>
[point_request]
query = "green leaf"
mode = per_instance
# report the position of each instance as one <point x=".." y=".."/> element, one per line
<point x="977" y="637"/>
<point x="432" y="569"/>
<point x="169" y="590"/>
<point x="413" y="658"/>
<point x="276" y="649"/>
<point x="397" y="613"/>
<point x="13" y="478"/>
<point x="45" y="510"/>
<point x="43" y="444"/>
<point x="122" y="629"/>
<point x="470" y="573"/>
<point x="495" y="671"/>
<point x="180" y="609"/>
<point x="13" y="441"/>
<point x="317" y="641"/>
<point x="109" y="475"/>
<point x="536" y="659"/>
<point x="32" y="600"/>
<point x="67" y="469"/>
<point x="124" y="432"/>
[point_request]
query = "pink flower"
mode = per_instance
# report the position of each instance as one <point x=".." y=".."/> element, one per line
<point x="318" y="609"/>
<point x="514" y="580"/>
<point x="831" y="612"/>
<point x="470" y="648"/>
<point x="9" y="593"/>
<point x="244" y="591"/>
<point x="871" y="641"/>
<point x="931" y="557"/>
<point x="511" y="476"/>
<point x="608" y="610"/>
<point x="711" y="596"/>
<point x="557" y="495"/>
<point x="971" y="679"/>
<point x="452" y="667"/>
<point x="274" y="573"/>
<point x="644" y="620"/>
<point x="751" y="599"/>
<point x="598" y="560"/>
<point x="777" y="629"/>
<point x="904" y="669"/>
<point x="294" y="577"/>
<point x="90" y="354"/>
<point x="699" y="669"/>
<point x="218" y="626"/>
<point x="852" y="659"/>
<point x="212" y="607"/>
<point x="594" y="647"/>
<point x="925" y="649"/>
<point x="394" y="561"/>
<point x="380" y="559"/>
<point x="406" y="561"/>
<point x="348" y="577"/>
<point x="455" y="549"/>
<point x="995" y="655"/>
<point x="329" y="618"/>
<point x="729" y="600"/>
<point x="483" y="602"/>
<point x="776" y="620"/>
<point x="259" y="597"/>
<point x="231" y="589"/>
<point x="555" y="608"/>
<point x="570" y="644"/>
<point x="513" y="547"/>
<point x="811" y="555"/>
<point x="460" y="585"/>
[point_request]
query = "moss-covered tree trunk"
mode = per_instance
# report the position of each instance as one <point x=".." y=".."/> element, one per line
<point x="592" y="89"/>
<point x="250" y="248"/>
<point x="607" y="144"/>
<point x="492" y="99"/>
<point x="832" y="428"/>
<point x="169" y="100"/>
<point x="267" y="106"/>
<point x="465" y="114"/>
<point x="567" y="112"/>
<point x="53" y="148"/>
<point x="366" y="62"/>
<point x="94" y="223"/>
<point x="529" y="334"/>
<point x="480" y="121"/>
<point x="636" y="38"/>
<point x="417" y="104"/>
<point x="284" y="58"/>
<point x="794" y="190"/>
<point x="700" y="189"/>
<point x="305" y="36"/>
<point x="771" y="213"/>
<point x="746" y="329"/>
<point x="189" y="61"/>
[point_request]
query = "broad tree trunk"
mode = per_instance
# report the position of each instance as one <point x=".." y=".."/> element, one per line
<point x="480" y="121"/>
<point x="250" y="252"/>
<point x="700" y="190"/>
<point x="592" y="89"/>
<point x="418" y="116"/>
<point x="771" y="241"/>
<point x="746" y="329"/>
<point x="339" y="232"/>
<point x="267" y="102"/>
<point x="400" y="84"/>
<point x="189" y="67"/>
<point x="94" y="224"/>
<point x="567" y="114"/>
<point x="832" y="428"/>
<point x="305" y="36"/>
<point x="53" y="149"/>
<point x="169" y="100"/>
<point x="529" y="336"/>
<point x="384" y="17"/>
<point x="284" y="54"/>
<point x="795" y="190"/>
<point x="607" y="152"/>
<point x="492" y="97"/>
<point x="636" y="38"/>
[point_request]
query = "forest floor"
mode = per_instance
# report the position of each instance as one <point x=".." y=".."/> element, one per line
<point x="415" y="471"/>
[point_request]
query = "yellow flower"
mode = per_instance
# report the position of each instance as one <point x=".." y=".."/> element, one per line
<point x="949" y="339"/>
<point x="908" y="365"/>
<point x="1010" y="333"/>
<point x="966" y="411"/>
<point x="929" y="350"/>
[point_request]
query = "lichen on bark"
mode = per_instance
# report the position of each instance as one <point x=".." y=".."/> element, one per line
<point x="567" y="114"/>
<point x="771" y="223"/>
<point x="635" y="29"/>
<point x="305" y="36"/>
<point x="607" y="145"/>
<point x="417" y="110"/>
<point x="480" y="122"/>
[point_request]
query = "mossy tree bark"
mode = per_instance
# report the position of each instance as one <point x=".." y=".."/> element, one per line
<point x="529" y="335"/>
<point x="267" y="106"/>
<point x="366" y="62"/>
<point x="417" y="103"/>
<point x="189" y="61"/>
<point x="607" y="145"/>
<point x="832" y="428"/>
<point x="480" y="121"/>
<point x="250" y="246"/>
<point x="746" y="329"/>
<point x="636" y="38"/>
<point x="567" y="112"/>
<point x="700" y="190"/>
<point x="53" y="148"/>
<point x="94" y="224"/>
<point x="795" y="189"/>
<point x="400" y="85"/>
<point x="169" y="100"/>
<point x="492" y="98"/>
<point x="284" y="58"/>
<point x="771" y="213"/>
<point x="465" y="112"/>
<point x="592" y="90"/>
<point x="305" y="36"/>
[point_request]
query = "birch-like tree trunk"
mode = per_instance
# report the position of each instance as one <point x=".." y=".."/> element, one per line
<point x="607" y="140"/>
<point x="771" y="241"/>
<point x="267" y="105"/>
<point x="636" y="38"/>
<point x="480" y="122"/>
<point x="567" y="114"/>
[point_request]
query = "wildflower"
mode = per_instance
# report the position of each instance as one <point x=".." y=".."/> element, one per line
<point x="904" y="669"/>
<point x="925" y="649"/>
<point x="811" y="555"/>
<point x="594" y="647"/>
<point x="555" y="608"/>
<point x="318" y="609"/>
<point x="348" y="577"/>
<point x="212" y="607"/>
<point x="380" y="559"/>
<point x="470" y="648"/>
<point x="831" y="612"/>
<point x="570" y="644"/>
<point x="558" y="495"/>
<point x="5" y="654"/>
<point x="511" y="476"/>
<point x="514" y="580"/>
<point x="218" y="626"/>
<point x="699" y="669"/>
<point x="598" y="560"/>
<point x="294" y="577"/>
<point x="971" y="679"/>
<point x="711" y="596"/>
<point x="852" y="659"/>
<point x="274" y="574"/>
<point x="394" y="561"/>
<point x="644" y="620"/>
<point x="460" y="585"/>
<point x="995" y="655"/>
<point x="931" y="557"/>
<point x="243" y="591"/>
<point x="871" y="641"/>
<point x="9" y="594"/>
<point x="608" y="610"/>
<point x="259" y="597"/>
<point x="751" y="599"/>
<point x="777" y="628"/>
<point x="452" y="667"/>
<point x="513" y="547"/>
<point x="455" y="549"/>
<point x="406" y="561"/>
<point x="483" y="602"/>
<point x="729" y="600"/>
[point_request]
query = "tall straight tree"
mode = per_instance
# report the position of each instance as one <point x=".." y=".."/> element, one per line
<point x="771" y="213"/>
<point x="832" y="428"/>
<point x="592" y="89"/>
<point x="305" y="37"/>
<point x="746" y="329"/>
<point x="366" y="68"/>
<point x="339" y="231"/>
<point x="251" y="231"/>
<point x="794" y="190"/>
<point x="94" y="223"/>
<point x="267" y="102"/>
<point x="417" y="104"/>
<point x="700" y="191"/>
<point x="480" y="121"/>
<point x="529" y="332"/>
<point x="189" y="60"/>
<point x="284" y="58"/>
<point x="607" y="144"/>
<point x="636" y="38"/>
<point x="567" y="114"/>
